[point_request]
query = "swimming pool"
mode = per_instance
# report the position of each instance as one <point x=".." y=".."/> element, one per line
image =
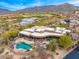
<point x="23" y="46"/>
<point x="73" y="55"/>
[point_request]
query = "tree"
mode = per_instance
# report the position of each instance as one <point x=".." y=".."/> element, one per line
<point x="30" y="25"/>
<point x="52" y="45"/>
<point x="13" y="33"/>
<point x="6" y="37"/>
<point x="65" y="41"/>
<point x="9" y="35"/>
<point x="19" y="19"/>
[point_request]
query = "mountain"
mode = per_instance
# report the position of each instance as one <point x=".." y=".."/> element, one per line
<point x="2" y="11"/>
<point x="37" y="9"/>
<point x="64" y="8"/>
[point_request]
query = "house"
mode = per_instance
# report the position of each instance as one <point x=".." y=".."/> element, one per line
<point x="43" y="32"/>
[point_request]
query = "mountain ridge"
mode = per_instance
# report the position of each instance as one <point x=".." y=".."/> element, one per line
<point x="63" y="8"/>
<point x="2" y="11"/>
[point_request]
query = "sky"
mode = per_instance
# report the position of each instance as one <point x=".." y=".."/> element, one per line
<point x="21" y="4"/>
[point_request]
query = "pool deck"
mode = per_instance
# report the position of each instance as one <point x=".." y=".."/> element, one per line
<point x="22" y="40"/>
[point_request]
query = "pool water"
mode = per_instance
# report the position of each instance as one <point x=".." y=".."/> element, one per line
<point x="73" y="55"/>
<point x="23" y="45"/>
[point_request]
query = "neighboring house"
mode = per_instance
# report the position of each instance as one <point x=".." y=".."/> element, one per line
<point x="75" y="36"/>
<point x="1" y="31"/>
<point x="74" y="23"/>
<point x="65" y="21"/>
<point x="27" y="21"/>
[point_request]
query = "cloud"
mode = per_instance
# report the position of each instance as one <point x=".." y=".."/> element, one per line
<point x="10" y="6"/>
<point x="75" y="2"/>
<point x="36" y="4"/>
<point x="19" y="6"/>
